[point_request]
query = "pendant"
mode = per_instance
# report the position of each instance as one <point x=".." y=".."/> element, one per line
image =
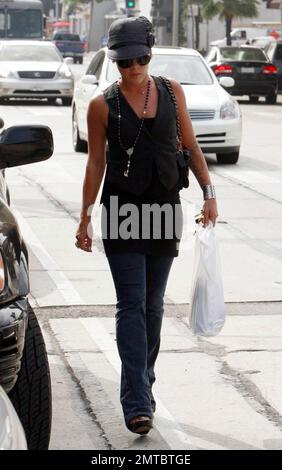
<point x="130" y="151"/>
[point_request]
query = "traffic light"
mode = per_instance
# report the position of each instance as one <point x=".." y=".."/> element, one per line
<point x="130" y="4"/>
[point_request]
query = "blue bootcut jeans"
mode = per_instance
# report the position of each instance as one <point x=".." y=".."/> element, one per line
<point x="140" y="282"/>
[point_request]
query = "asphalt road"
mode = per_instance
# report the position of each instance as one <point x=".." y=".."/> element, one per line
<point x="212" y="393"/>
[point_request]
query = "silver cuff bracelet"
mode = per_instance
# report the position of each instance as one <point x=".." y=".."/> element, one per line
<point x="209" y="191"/>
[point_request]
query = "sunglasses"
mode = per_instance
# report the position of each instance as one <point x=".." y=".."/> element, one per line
<point x="126" y="63"/>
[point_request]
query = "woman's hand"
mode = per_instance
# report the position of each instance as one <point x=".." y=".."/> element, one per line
<point x="83" y="240"/>
<point x="209" y="212"/>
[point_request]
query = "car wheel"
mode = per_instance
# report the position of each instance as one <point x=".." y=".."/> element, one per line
<point x="254" y="99"/>
<point x="79" y="145"/>
<point x="67" y="101"/>
<point x="31" y="395"/>
<point x="271" y="99"/>
<point x="227" y="157"/>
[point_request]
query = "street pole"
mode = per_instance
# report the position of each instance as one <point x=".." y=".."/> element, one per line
<point x="57" y="10"/>
<point x="175" y="23"/>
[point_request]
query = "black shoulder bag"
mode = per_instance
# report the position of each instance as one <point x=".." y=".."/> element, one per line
<point x="182" y="155"/>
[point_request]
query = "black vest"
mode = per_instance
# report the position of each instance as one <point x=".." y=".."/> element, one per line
<point x="160" y="144"/>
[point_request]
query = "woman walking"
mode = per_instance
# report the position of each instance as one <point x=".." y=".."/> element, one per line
<point x="137" y="116"/>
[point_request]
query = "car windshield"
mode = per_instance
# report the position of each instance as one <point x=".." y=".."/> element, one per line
<point x="240" y="53"/>
<point x="20" y="23"/>
<point x="29" y="53"/>
<point x="183" y="68"/>
<point x="278" y="53"/>
<point x="66" y="37"/>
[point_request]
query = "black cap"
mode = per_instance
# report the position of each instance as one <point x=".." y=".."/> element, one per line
<point x="130" y="38"/>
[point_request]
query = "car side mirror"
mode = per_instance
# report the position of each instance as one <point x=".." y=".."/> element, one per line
<point x="68" y="60"/>
<point x="90" y="80"/>
<point x="226" y="82"/>
<point x="20" y="145"/>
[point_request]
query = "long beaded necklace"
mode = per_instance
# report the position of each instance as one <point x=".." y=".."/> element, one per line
<point x="130" y="150"/>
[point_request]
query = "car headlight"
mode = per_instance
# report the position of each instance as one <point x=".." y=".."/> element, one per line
<point x="229" y="110"/>
<point x="5" y="73"/>
<point x="2" y="273"/>
<point x="11" y="432"/>
<point x="64" y="72"/>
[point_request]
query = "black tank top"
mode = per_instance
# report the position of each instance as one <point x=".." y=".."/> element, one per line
<point x="155" y="193"/>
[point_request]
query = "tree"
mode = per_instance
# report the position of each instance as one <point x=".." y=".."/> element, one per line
<point x="73" y="4"/>
<point x="228" y="10"/>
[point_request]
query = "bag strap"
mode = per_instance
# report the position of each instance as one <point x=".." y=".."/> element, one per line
<point x="168" y="85"/>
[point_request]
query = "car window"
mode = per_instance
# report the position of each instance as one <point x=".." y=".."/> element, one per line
<point x="278" y="52"/>
<point x="32" y="53"/>
<point x="66" y="37"/>
<point x="183" y="68"/>
<point x="2" y="23"/>
<point x="96" y="64"/>
<point x="239" y="53"/>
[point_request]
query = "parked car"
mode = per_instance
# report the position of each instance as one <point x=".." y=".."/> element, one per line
<point x="34" y="69"/>
<point x="70" y="45"/>
<point x="215" y="114"/>
<point x="254" y="74"/>
<point x="12" y="435"/>
<point x="274" y="53"/>
<point x="24" y="370"/>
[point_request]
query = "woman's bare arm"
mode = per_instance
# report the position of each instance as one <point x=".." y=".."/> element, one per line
<point x="97" y="118"/>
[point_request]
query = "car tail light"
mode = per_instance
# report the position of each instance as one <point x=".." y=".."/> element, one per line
<point x="269" y="69"/>
<point x="2" y="273"/>
<point x="223" y="69"/>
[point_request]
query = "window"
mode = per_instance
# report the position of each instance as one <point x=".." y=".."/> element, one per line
<point x="66" y="37"/>
<point x="2" y="24"/>
<point x="96" y="65"/>
<point x="24" y="24"/>
<point x="240" y="53"/>
<point x="29" y="53"/>
<point x="278" y="53"/>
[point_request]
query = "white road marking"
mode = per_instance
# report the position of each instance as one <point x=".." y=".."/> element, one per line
<point x="250" y="176"/>
<point x="265" y="114"/>
<point x="175" y="437"/>
<point x="64" y="286"/>
<point x="44" y="111"/>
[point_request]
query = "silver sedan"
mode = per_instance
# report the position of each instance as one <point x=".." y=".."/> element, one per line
<point x="34" y="69"/>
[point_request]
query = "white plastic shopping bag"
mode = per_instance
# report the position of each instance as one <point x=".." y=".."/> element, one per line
<point x="207" y="312"/>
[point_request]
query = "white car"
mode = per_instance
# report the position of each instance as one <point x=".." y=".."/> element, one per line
<point x="34" y="69"/>
<point x="215" y="114"/>
<point x="12" y="435"/>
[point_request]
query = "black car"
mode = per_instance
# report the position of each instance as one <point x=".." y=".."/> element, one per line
<point x="24" y="370"/>
<point x="251" y="69"/>
<point x="274" y="52"/>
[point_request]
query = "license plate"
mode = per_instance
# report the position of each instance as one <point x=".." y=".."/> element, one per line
<point x="248" y="69"/>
